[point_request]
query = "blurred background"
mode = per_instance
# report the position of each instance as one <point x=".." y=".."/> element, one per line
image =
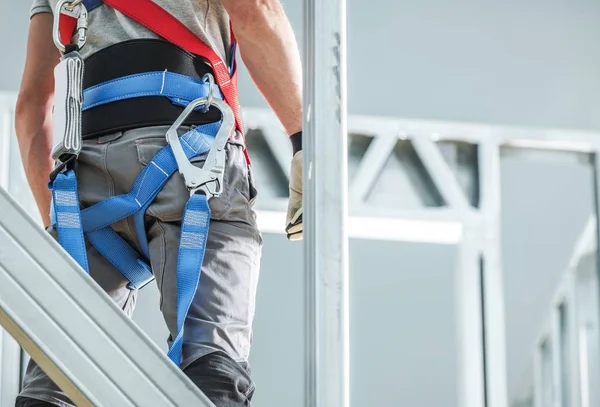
<point x="516" y="69"/>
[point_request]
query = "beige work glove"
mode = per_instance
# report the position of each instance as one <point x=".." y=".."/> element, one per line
<point x="294" y="213"/>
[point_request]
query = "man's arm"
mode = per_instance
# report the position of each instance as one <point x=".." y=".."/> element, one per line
<point x="270" y="52"/>
<point x="33" y="118"/>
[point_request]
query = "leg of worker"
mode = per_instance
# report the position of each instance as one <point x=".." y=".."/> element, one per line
<point x="226" y="382"/>
<point x="95" y="184"/>
<point x="218" y="335"/>
<point x="218" y="330"/>
<point x="36" y="384"/>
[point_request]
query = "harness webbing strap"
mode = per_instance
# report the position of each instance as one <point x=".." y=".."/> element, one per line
<point x="95" y="221"/>
<point x="71" y="223"/>
<point x="162" y="23"/>
<point x="66" y="28"/>
<point x="180" y="89"/>
<point x="118" y="252"/>
<point x="192" y="245"/>
<point x="92" y="4"/>
<point x="194" y="143"/>
<point x="148" y="183"/>
<point x="67" y="216"/>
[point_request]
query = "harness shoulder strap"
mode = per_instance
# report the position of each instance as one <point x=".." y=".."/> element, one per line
<point x="165" y="25"/>
<point x="162" y="23"/>
<point x="66" y="28"/>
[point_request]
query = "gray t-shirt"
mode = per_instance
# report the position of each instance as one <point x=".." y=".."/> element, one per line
<point x="205" y="18"/>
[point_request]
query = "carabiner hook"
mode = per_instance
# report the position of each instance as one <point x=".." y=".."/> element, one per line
<point x="82" y="22"/>
<point x="211" y="87"/>
<point x="209" y="178"/>
<point x="74" y="3"/>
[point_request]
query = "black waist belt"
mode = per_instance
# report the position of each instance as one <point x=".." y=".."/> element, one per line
<point x="135" y="57"/>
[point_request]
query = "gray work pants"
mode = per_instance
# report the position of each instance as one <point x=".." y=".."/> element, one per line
<point x="218" y="328"/>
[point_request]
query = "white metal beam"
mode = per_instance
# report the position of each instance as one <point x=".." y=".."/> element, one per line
<point x="325" y="204"/>
<point x="74" y="331"/>
<point x="573" y="338"/>
<point x="371" y="165"/>
<point x="557" y="366"/>
<point x="440" y="173"/>
<point x="539" y="381"/>
<point x="493" y="279"/>
<point x="514" y="136"/>
<point x="469" y="321"/>
<point x="407" y="229"/>
<point x="522" y="137"/>
<point x="596" y="189"/>
<point x="567" y="293"/>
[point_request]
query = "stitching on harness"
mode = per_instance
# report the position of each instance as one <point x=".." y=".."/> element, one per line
<point x="192" y="240"/>
<point x="68" y="220"/>
<point x="145" y="93"/>
<point x="145" y="172"/>
<point x="65" y="198"/>
<point x="140" y="188"/>
<point x="197" y="136"/>
<point x="127" y="96"/>
<point x="141" y="75"/>
<point x="164" y="77"/>
<point x="188" y="144"/>
<point x="157" y="166"/>
<point x="194" y="138"/>
<point x="125" y="78"/>
<point x="134" y="94"/>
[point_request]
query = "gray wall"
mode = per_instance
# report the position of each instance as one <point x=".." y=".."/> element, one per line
<point x="14" y="17"/>
<point x="528" y="63"/>
<point x="509" y="62"/>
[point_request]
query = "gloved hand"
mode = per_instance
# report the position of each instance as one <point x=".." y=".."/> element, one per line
<point x="294" y="213"/>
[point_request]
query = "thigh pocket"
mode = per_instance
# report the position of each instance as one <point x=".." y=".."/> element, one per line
<point x="252" y="191"/>
<point x="242" y="177"/>
<point x="169" y="204"/>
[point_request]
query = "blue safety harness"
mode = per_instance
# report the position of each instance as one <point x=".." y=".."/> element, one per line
<point x="74" y="224"/>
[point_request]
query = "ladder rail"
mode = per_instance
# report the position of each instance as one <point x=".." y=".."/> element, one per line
<point x="64" y="320"/>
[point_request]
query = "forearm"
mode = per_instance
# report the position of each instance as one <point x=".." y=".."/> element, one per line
<point x="33" y="125"/>
<point x="33" y="117"/>
<point x="269" y="50"/>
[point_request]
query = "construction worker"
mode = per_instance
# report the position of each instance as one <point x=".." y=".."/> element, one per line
<point x="120" y="139"/>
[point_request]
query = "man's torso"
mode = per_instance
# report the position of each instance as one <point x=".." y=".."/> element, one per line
<point x="205" y="18"/>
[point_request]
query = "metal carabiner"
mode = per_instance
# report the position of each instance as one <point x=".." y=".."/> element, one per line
<point x="211" y="87"/>
<point x="73" y="4"/>
<point x="68" y="7"/>
<point x="209" y="178"/>
<point x="82" y="26"/>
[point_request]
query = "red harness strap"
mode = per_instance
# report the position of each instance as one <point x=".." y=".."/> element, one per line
<point x="162" y="23"/>
<point x="67" y="28"/>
